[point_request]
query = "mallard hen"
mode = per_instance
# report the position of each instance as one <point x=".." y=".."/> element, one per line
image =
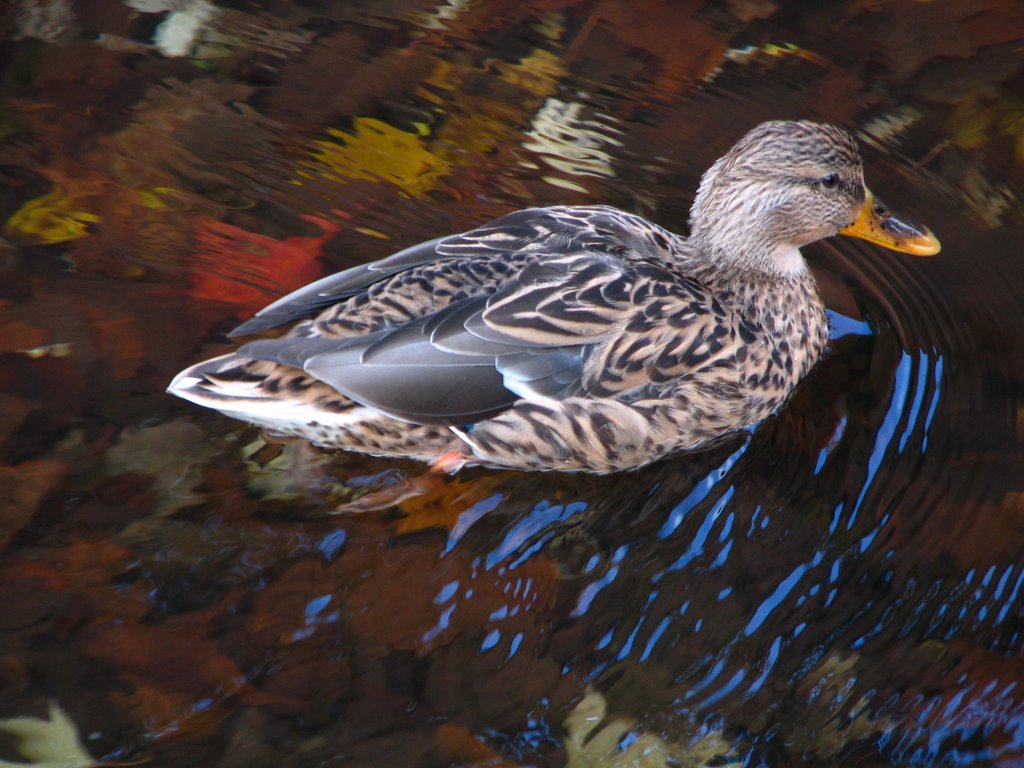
<point x="568" y="338"/>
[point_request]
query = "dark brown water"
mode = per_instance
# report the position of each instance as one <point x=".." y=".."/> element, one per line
<point x="843" y="585"/>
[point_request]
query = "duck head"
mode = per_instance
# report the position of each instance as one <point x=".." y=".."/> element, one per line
<point x="784" y="185"/>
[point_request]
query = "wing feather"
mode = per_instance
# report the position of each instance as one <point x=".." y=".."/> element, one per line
<point x="553" y="326"/>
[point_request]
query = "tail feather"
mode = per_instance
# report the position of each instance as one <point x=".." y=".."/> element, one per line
<point x="288" y="401"/>
<point x="230" y="385"/>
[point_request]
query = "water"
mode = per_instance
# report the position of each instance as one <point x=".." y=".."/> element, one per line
<point x="843" y="584"/>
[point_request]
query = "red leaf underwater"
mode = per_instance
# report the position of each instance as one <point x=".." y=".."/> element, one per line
<point x="250" y="270"/>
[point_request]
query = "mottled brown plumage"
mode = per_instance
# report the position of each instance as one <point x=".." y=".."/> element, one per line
<point x="568" y="338"/>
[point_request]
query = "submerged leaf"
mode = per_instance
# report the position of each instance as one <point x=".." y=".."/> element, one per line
<point x="289" y="470"/>
<point x="376" y="151"/>
<point x="250" y="269"/>
<point x="172" y="453"/>
<point x="49" y="743"/>
<point x="434" y="501"/>
<point x="586" y="748"/>
<point x="22" y="488"/>
<point x="52" y="218"/>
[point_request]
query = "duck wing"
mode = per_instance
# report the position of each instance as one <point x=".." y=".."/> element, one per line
<point x="476" y="357"/>
<point x="484" y="256"/>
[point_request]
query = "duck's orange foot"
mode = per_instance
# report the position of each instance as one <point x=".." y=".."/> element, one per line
<point x="449" y="463"/>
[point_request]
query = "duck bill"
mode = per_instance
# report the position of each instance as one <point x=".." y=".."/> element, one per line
<point x="877" y="225"/>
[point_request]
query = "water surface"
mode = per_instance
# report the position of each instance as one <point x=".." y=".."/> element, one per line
<point x="842" y="585"/>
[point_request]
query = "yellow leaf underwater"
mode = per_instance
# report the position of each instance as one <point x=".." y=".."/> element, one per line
<point x="52" y="218"/>
<point x="377" y="151"/>
<point x="974" y="123"/>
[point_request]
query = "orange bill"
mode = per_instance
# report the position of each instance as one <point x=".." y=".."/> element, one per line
<point x="877" y="225"/>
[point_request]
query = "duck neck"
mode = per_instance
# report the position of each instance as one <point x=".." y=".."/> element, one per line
<point x="746" y="226"/>
<point x="767" y="289"/>
<point x="749" y="256"/>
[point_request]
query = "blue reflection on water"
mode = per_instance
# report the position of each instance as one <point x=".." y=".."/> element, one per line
<point x="726" y="689"/>
<point x="469" y="517"/>
<point x="443" y="622"/>
<point x="915" y="406"/>
<point x="781" y="591"/>
<point x="490" y="640"/>
<point x="447" y="592"/>
<point x="837" y="436"/>
<point x="330" y="544"/>
<point x="627" y="647"/>
<point x="937" y="379"/>
<point x="886" y="431"/>
<point x="655" y="636"/>
<point x="696" y="547"/>
<point x="769" y="664"/>
<point x="1012" y="599"/>
<point x="316" y="605"/>
<point x="840" y="325"/>
<point x="908" y="394"/>
<point x="591" y="591"/>
<point x="707" y="680"/>
<point x="769" y="638"/>
<point x="543" y="519"/>
<point x="946" y="734"/>
<point x="517" y="640"/>
<point x="700" y="492"/>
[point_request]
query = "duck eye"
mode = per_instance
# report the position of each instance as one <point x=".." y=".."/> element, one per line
<point x="830" y="181"/>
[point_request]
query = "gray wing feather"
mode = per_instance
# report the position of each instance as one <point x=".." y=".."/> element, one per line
<point x="433" y="370"/>
<point x="475" y="357"/>
<point x="401" y="373"/>
<point x="449" y="330"/>
<point x="529" y="367"/>
<point x="555" y="374"/>
<point x="419" y="389"/>
<point x="456" y="365"/>
<point x="290" y="350"/>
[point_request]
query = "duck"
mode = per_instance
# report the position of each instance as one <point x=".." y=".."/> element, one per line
<point x="568" y="338"/>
